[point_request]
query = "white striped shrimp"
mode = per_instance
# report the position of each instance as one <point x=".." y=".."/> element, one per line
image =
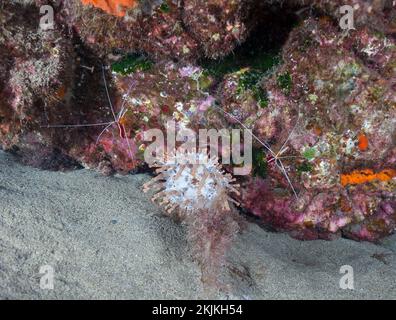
<point x="273" y="157"/>
<point x="107" y="125"/>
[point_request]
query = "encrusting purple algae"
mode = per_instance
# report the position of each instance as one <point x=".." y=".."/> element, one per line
<point x="320" y="102"/>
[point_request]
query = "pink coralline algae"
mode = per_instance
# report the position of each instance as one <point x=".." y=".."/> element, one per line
<point x="329" y="92"/>
<point x="219" y="25"/>
<point x="185" y="31"/>
<point x="379" y="15"/>
<point x="146" y="100"/>
<point x="320" y="101"/>
<point x="35" y="79"/>
<point x="105" y="33"/>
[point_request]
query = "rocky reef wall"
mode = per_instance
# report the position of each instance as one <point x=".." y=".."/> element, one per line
<point x="320" y="101"/>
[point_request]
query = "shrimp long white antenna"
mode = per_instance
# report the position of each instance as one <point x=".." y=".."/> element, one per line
<point x="266" y="146"/>
<point x="107" y="93"/>
<point x="275" y="156"/>
<point x="284" y="158"/>
<point x="107" y="125"/>
<point x="122" y="113"/>
<point x="123" y="110"/>
<point x="282" y="168"/>
<point x="283" y="149"/>
<point x="103" y="131"/>
<point x="77" y="125"/>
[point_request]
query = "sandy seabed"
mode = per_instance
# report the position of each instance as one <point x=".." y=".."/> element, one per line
<point x="104" y="239"/>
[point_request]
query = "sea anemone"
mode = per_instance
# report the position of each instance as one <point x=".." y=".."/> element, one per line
<point x="192" y="182"/>
<point x="194" y="187"/>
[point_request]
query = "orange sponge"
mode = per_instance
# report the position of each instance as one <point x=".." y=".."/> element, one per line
<point x="363" y="142"/>
<point x="366" y="175"/>
<point x="114" y="7"/>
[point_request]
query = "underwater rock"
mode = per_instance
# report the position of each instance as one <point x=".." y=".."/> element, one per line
<point x="324" y="119"/>
<point x="218" y="25"/>
<point x="332" y="113"/>
<point x="143" y="96"/>
<point x="185" y="31"/>
<point x="35" y="78"/>
<point x="241" y="96"/>
<point x="375" y="227"/>
<point x="53" y="95"/>
<point x="378" y="15"/>
<point x="156" y="30"/>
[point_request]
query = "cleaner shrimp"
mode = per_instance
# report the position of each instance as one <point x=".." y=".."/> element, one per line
<point x="117" y="118"/>
<point x="273" y="157"/>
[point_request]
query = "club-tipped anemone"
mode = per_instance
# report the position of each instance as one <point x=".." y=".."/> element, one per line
<point x="191" y="182"/>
